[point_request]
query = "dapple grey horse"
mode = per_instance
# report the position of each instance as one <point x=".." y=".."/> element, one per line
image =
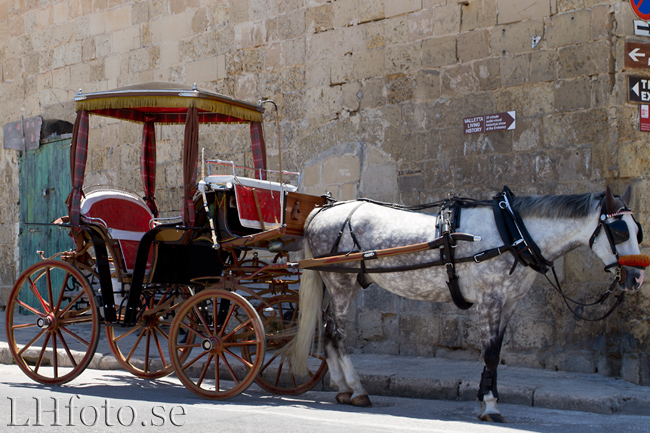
<point x="557" y="224"/>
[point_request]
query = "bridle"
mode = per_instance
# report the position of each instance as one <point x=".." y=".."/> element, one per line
<point x="617" y="232"/>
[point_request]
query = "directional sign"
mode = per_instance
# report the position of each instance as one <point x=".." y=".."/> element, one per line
<point x="638" y="89"/>
<point x="641" y="8"/>
<point x="637" y="55"/>
<point x="490" y="122"/>
<point x="641" y="28"/>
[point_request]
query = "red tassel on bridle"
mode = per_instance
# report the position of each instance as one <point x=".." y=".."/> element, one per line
<point x="635" y="260"/>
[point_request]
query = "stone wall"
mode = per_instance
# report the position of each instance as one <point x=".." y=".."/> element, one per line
<point x="372" y="94"/>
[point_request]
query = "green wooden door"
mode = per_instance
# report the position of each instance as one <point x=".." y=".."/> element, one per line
<point x="44" y="186"/>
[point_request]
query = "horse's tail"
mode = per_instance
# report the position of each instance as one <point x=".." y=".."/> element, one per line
<point x="310" y="318"/>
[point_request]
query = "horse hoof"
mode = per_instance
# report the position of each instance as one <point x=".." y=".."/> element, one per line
<point x="344" y="397"/>
<point x="361" y="401"/>
<point x="492" y="417"/>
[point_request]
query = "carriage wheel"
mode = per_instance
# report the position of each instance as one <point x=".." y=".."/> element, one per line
<point x="220" y="323"/>
<point x="52" y="322"/>
<point x="279" y="316"/>
<point x="142" y="349"/>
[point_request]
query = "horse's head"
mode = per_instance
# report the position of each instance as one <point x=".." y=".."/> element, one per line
<point x="616" y="241"/>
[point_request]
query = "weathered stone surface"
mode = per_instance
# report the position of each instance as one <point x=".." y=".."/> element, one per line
<point x="372" y="96"/>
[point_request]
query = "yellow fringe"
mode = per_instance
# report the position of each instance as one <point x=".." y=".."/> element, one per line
<point x="158" y="101"/>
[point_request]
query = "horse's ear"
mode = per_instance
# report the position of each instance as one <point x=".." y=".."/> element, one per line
<point x="610" y="201"/>
<point x="627" y="197"/>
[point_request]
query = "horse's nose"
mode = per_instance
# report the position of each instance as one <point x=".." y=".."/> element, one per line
<point x="639" y="280"/>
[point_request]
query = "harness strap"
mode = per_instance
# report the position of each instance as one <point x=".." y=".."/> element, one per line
<point x="513" y="232"/>
<point x="361" y="277"/>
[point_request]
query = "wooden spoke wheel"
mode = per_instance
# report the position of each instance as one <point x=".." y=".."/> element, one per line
<point x="142" y="349"/>
<point x="279" y="315"/>
<point x="216" y="324"/>
<point x="52" y="322"/>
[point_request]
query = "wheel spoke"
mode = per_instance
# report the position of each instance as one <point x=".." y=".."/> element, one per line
<point x="30" y="308"/>
<point x="159" y="347"/>
<point x="135" y="345"/>
<point x="238" y="358"/>
<point x="199" y="356"/>
<point x="77" y="337"/>
<point x="32" y="341"/>
<point x="204" y="371"/>
<point x="38" y="296"/>
<point x="67" y="349"/>
<point x="227" y="364"/>
<point x="227" y="319"/>
<point x="206" y="327"/>
<point x="62" y="291"/>
<point x="126" y="334"/>
<point x="40" y="356"/>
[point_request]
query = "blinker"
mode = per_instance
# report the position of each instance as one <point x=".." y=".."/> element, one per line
<point x="621" y="233"/>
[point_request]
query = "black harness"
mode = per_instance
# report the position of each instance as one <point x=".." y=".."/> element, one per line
<point x="513" y="232"/>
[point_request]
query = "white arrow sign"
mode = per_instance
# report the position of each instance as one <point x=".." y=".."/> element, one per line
<point x="635" y="89"/>
<point x="635" y="54"/>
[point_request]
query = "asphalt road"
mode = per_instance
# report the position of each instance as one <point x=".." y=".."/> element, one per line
<point x="101" y="401"/>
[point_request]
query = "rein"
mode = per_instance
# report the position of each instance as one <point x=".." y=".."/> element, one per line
<point x="619" y="298"/>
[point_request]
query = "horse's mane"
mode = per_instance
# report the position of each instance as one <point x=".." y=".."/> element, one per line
<point x="557" y="206"/>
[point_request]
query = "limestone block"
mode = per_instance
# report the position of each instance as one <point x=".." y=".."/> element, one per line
<point x="418" y="334"/>
<point x="368" y="64"/>
<point x="399" y="88"/>
<point x="403" y="59"/>
<point x="437" y="52"/>
<point x="427" y="85"/>
<point x="319" y="19"/>
<point x="291" y="25"/>
<point x="400" y="7"/>
<point x="570" y="28"/>
<point x="345" y="13"/>
<point x="348" y="191"/>
<point x="478" y="14"/>
<point x="238" y="12"/>
<point x="488" y="73"/>
<point x="459" y="80"/>
<point x="543" y="66"/>
<point x="473" y="45"/>
<point x="572" y="94"/>
<point x="335" y="43"/>
<point x="634" y="159"/>
<point x="375" y="35"/>
<point x="294" y="51"/>
<point x="516" y="37"/>
<point x="373" y="94"/>
<point x="202" y="71"/>
<point x="512" y="10"/>
<point x="126" y="39"/>
<point x="420" y="25"/>
<point x="341" y="69"/>
<point x="171" y="28"/>
<point x="341" y="169"/>
<point x="118" y="18"/>
<point x="446" y="19"/>
<point x="371" y="10"/>
<point x="396" y="30"/>
<point x="584" y="59"/>
<point x="515" y="70"/>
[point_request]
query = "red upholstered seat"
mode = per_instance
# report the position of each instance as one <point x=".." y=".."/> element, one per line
<point x="125" y="215"/>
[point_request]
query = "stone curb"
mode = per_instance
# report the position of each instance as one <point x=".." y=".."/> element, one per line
<point x="443" y="379"/>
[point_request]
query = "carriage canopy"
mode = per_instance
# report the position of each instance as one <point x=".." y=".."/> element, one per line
<point x="165" y="103"/>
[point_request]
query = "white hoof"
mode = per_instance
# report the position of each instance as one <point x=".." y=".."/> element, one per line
<point x="489" y="411"/>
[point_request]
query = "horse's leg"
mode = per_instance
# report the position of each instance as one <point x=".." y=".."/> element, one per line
<point x="342" y="374"/>
<point x="495" y="313"/>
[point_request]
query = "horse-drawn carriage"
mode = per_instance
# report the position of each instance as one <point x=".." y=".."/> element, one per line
<point x="191" y="284"/>
<point x="201" y="286"/>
